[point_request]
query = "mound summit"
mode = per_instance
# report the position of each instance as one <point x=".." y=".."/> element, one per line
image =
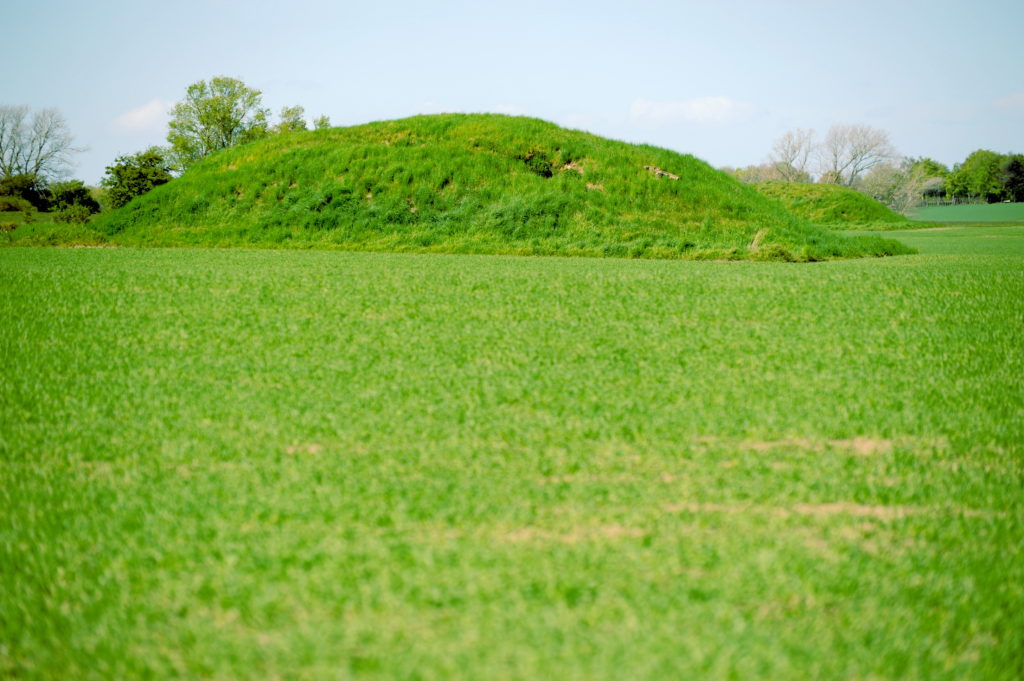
<point x="472" y="183"/>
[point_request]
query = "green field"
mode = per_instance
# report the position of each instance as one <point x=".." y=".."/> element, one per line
<point x="229" y="464"/>
<point x="990" y="212"/>
<point x="962" y="239"/>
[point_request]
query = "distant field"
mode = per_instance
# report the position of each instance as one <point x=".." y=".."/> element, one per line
<point x="963" y="240"/>
<point x="316" y="465"/>
<point x="992" y="212"/>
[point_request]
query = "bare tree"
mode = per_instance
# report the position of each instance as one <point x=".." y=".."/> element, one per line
<point x="851" y="150"/>
<point x="900" y="187"/>
<point x="40" y="145"/>
<point x="791" y="154"/>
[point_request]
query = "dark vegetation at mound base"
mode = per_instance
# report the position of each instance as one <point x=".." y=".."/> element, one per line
<point x="472" y="184"/>
<point x="832" y="205"/>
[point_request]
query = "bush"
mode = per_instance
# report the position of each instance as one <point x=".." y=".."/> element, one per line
<point x="72" y="194"/>
<point x="31" y="188"/>
<point x="134" y="175"/>
<point x="15" y="204"/>
<point x="73" y="215"/>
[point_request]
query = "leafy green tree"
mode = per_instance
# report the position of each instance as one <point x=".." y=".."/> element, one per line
<point x="292" y="120"/>
<point x="980" y="175"/>
<point x="928" y="168"/>
<point x="322" y="122"/>
<point x="215" y="115"/>
<point x="1013" y="177"/>
<point x="134" y="175"/>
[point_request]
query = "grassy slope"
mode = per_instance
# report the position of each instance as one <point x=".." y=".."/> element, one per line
<point x="832" y="205"/>
<point x="254" y="465"/>
<point x="471" y="183"/>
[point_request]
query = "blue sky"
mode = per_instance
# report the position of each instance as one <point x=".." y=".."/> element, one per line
<point x="720" y="79"/>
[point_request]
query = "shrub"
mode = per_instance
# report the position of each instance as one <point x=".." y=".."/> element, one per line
<point x="27" y="186"/>
<point x="73" y="215"/>
<point x="134" y="175"/>
<point x="72" y="194"/>
<point x="9" y="204"/>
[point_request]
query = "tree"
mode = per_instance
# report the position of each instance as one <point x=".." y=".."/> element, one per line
<point x="39" y="146"/>
<point x="215" y="115"/>
<point x="134" y="175"/>
<point x="1013" y="177"/>
<point x="980" y="175"/>
<point x="791" y="154"/>
<point x="850" y="151"/>
<point x="322" y="122"/>
<point x="929" y="168"/>
<point x="292" y="120"/>
<point x="900" y="187"/>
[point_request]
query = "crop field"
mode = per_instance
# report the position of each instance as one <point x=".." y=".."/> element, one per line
<point x="230" y="464"/>
<point x="991" y="212"/>
<point x="1000" y="240"/>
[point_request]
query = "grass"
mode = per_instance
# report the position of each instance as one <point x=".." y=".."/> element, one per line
<point x="319" y="465"/>
<point x="832" y="205"/>
<point x="472" y="184"/>
<point x="42" y="230"/>
<point x="992" y="212"/>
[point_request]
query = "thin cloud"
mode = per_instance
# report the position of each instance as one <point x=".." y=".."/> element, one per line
<point x="701" y="111"/>
<point x="1010" y="103"/>
<point x="150" y="117"/>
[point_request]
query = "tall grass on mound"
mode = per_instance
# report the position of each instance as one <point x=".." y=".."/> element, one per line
<point x="472" y="183"/>
<point x="832" y="205"/>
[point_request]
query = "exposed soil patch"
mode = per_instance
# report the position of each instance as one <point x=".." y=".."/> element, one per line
<point x="529" y="535"/>
<point x="658" y="172"/>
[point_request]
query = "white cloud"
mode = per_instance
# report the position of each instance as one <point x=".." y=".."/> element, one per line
<point x="1014" y="102"/>
<point x="702" y="111"/>
<point x="150" y="117"/>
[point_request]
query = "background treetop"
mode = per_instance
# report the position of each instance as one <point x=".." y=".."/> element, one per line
<point x="215" y="115"/>
<point x="221" y="113"/>
<point x="39" y="145"/>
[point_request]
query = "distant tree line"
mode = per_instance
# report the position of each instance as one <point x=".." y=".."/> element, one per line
<point x="36" y="150"/>
<point x="863" y="158"/>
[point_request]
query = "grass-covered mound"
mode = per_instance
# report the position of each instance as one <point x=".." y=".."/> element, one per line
<point x="832" y="205"/>
<point x="472" y="184"/>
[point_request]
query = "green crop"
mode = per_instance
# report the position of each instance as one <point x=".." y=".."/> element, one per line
<point x="992" y="212"/>
<point x="320" y="465"/>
